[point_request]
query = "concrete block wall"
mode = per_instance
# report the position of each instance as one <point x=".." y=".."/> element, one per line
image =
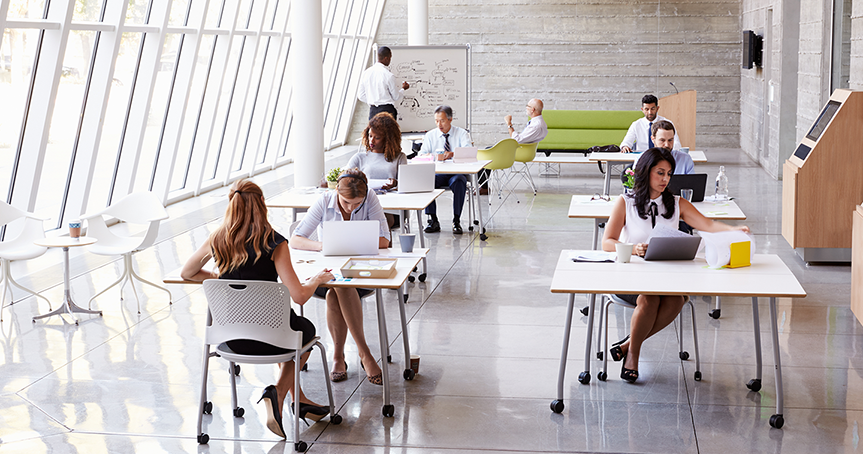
<point x="856" y="71"/>
<point x="592" y="55"/>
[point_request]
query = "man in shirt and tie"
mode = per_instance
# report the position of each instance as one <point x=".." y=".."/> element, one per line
<point x="638" y="138"/>
<point x="441" y="141"/>
<point x="378" y="86"/>
<point x="536" y="129"/>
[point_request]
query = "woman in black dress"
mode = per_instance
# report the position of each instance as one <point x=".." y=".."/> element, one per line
<point x="247" y="247"/>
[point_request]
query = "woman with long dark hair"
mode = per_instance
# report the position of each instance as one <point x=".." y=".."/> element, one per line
<point x="246" y="247"/>
<point x="632" y="219"/>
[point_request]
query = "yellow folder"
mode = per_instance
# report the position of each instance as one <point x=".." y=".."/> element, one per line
<point x="740" y="253"/>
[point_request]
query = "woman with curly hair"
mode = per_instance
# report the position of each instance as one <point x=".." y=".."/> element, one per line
<point x="382" y="154"/>
<point x="632" y="220"/>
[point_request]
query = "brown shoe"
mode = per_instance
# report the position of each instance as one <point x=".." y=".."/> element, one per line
<point x="483" y="191"/>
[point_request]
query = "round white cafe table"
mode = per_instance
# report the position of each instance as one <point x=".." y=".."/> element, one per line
<point x="68" y="306"/>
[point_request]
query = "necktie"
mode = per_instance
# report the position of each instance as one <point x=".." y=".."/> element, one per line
<point x="446" y="146"/>
<point x="649" y="133"/>
<point x="654" y="211"/>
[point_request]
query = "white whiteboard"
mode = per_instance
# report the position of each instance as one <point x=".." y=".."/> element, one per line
<point x="437" y="75"/>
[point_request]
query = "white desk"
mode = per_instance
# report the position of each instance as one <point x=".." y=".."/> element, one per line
<point x="67" y="306"/>
<point x="582" y="207"/>
<point x="406" y="263"/>
<point x="560" y="158"/>
<point x="471" y="169"/>
<point x="767" y="277"/>
<point x="300" y="199"/>
<point x="697" y="156"/>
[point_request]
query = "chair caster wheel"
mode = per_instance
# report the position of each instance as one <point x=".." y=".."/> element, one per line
<point x="585" y="310"/>
<point x="406" y="297"/>
<point x="409" y="374"/>
<point x="208" y="408"/>
<point x="203" y="439"/>
<point x="388" y="411"/>
<point x="411" y="278"/>
<point x="599" y="356"/>
<point x="423" y="277"/>
<point x="305" y="367"/>
<point x="584" y="377"/>
<point x="754" y="385"/>
<point x="777" y="421"/>
<point x="239" y="412"/>
<point x="389" y="358"/>
<point x="483" y="236"/>
<point x="698" y="375"/>
<point x="683" y="356"/>
<point x="602" y="376"/>
<point x="236" y="370"/>
<point x="714" y="313"/>
<point x="300" y="446"/>
<point x="475" y="222"/>
<point x="557" y="406"/>
<point x="336" y="419"/>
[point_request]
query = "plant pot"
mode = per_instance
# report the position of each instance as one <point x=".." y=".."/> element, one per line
<point x="332" y="184"/>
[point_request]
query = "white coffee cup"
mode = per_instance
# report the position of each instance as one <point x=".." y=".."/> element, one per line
<point x="624" y="252"/>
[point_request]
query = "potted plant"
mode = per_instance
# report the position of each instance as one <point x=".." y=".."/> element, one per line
<point x="630" y="179"/>
<point x="333" y="178"/>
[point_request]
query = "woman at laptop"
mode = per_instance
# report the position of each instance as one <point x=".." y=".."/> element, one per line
<point x="632" y="219"/>
<point x="352" y="200"/>
<point x="246" y="247"/>
<point x="382" y="140"/>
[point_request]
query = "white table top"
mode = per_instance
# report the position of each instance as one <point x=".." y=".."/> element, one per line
<point x="696" y="155"/>
<point x="65" y="241"/>
<point x="303" y="198"/>
<point x="406" y="263"/>
<point x="582" y="207"/>
<point x="454" y="168"/>
<point x="766" y="277"/>
<point x="562" y="159"/>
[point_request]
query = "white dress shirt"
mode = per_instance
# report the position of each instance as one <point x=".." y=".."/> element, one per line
<point x="638" y="136"/>
<point x="326" y="208"/>
<point x="535" y="131"/>
<point x="434" y="140"/>
<point x="637" y="230"/>
<point x="378" y="86"/>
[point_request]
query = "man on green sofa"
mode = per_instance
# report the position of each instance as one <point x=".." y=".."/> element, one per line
<point x="638" y="138"/>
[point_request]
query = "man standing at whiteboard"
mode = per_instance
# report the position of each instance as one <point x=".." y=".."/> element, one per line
<point x="378" y="86"/>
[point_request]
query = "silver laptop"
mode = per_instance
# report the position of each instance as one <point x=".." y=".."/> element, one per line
<point x="464" y="154"/>
<point x="416" y="177"/>
<point x="672" y="248"/>
<point x="351" y="237"/>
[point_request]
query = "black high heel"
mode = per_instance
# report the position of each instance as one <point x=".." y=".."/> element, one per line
<point x="274" y="416"/>
<point x="313" y="412"/>
<point x="616" y="352"/>
<point x="630" y="375"/>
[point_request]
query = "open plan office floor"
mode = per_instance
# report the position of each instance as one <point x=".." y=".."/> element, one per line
<point x="488" y="331"/>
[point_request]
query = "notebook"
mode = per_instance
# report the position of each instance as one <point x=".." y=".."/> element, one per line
<point x="416" y="177"/>
<point x="696" y="181"/>
<point x="351" y="237"/>
<point x="672" y="248"/>
<point x="464" y="154"/>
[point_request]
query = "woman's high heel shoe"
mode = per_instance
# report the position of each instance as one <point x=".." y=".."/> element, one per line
<point x="274" y="416"/>
<point x="377" y="379"/>
<point x="630" y="375"/>
<point x="616" y="352"/>
<point x="313" y="412"/>
<point x="336" y="377"/>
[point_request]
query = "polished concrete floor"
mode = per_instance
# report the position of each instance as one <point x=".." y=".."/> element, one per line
<point x="489" y="334"/>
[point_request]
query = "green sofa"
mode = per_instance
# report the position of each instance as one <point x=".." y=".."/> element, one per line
<point x="578" y="130"/>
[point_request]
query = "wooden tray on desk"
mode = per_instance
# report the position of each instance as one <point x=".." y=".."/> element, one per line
<point x="369" y="267"/>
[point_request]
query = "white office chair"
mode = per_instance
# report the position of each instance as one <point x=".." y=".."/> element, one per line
<point x="136" y="208"/>
<point x="603" y="324"/>
<point x="259" y="311"/>
<point x="19" y="248"/>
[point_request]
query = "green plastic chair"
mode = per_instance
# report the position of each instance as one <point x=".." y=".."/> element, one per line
<point x="525" y="154"/>
<point x="502" y="157"/>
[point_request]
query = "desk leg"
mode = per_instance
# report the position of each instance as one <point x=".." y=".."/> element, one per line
<point x="776" y="420"/>
<point x="557" y="404"/>
<point x="595" y="234"/>
<point x="408" y="373"/>
<point x="473" y="182"/>
<point x="607" y="186"/>
<point x="421" y="234"/>
<point x="388" y="410"/>
<point x="68" y="306"/>
<point x="755" y="384"/>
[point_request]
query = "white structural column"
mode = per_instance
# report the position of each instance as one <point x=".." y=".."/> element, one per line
<point x="418" y="22"/>
<point x="308" y="104"/>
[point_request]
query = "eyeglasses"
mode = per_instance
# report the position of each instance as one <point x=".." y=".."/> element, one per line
<point x="596" y="196"/>
<point x="306" y="261"/>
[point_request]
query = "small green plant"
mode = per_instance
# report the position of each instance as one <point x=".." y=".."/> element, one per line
<point x="334" y="174"/>
<point x="630" y="178"/>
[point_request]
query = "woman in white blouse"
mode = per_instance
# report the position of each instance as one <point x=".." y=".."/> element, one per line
<point x="351" y="201"/>
<point x="632" y="219"/>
